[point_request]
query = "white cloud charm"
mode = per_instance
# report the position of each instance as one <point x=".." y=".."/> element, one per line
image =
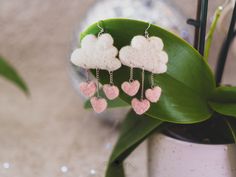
<point x="96" y="52"/>
<point x="145" y="53"/>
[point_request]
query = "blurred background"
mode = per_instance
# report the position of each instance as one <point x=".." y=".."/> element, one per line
<point x="49" y="133"/>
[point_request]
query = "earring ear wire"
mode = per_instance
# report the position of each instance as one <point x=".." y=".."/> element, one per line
<point x="146" y="30"/>
<point x="101" y="28"/>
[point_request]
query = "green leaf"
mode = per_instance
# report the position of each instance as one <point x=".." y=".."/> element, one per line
<point x="186" y="85"/>
<point x="223" y="100"/>
<point x="8" y="72"/>
<point x="135" y="129"/>
<point x="211" y="31"/>
<point x="115" y="170"/>
<point x="228" y="109"/>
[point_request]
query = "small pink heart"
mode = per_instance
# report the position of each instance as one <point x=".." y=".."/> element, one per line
<point x="130" y="88"/>
<point x="111" y="91"/>
<point x="153" y="94"/>
<point x="88" y="89"/>
<point x="140" y="106"/>
<point x="98" y="104"/>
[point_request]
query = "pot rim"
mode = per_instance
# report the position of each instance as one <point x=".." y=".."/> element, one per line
<point x="183" y="142"/>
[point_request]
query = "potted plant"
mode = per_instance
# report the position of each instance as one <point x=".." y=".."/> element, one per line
<point x="193" y="126"/>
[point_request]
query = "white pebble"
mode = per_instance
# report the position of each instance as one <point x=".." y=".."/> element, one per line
<point x="64" y="169"/>
<point x="6" y="165"/>
<point x="92" y="172"/>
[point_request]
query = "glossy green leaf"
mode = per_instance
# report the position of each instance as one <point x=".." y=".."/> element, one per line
<point x="8" y="72"/>
<point x="134" y="130"/>
<point x="187" y="83"/>
<point x="223" y="100"/>
<point x="115" y="170"/>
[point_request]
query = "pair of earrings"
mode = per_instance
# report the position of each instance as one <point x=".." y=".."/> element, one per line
<point x="99" y="53"/>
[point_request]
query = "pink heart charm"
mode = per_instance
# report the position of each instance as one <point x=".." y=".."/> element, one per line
<point x="111" y="91"/>
<point x="153" y="94"/>
<point x="88" y="89"/>
<point x="98" y="104"/>
<point x="130" y="88"/>
<point x="140" y="106"/>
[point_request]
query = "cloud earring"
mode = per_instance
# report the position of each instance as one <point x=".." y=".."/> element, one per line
<point x="145" y="53"/>
<point x="97" y="53"/>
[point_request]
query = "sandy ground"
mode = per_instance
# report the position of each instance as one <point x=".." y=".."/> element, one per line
<point x="50" y="129"/>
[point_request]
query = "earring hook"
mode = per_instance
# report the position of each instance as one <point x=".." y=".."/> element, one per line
<point x="101" y="28"/>
<point x="146" y="30"/>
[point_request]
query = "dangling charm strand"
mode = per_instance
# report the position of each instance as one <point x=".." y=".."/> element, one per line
<point x="131" y="74"/>
<point x="97" y="78"/>
<point x="142" y="105"/>
<point x="87" y="88"/>
<point x="111" y="91"/>
<point x="131" y="88"/>
<point x="111" y="77"/>
<point x="152" y="80"/>
<point x="99" y="104"/>
<point x="142" y="84"/>
<point x="153" y="94"/>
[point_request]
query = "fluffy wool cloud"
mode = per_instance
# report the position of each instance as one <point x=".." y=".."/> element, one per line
<point x="145" y="53"/>
<point x="97" y="52"/>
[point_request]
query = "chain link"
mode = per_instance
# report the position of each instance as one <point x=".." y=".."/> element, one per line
<point x="111" y="77"/>
<point x="87" y="75"/>
<point x="131" y="75"/>
<point x="142" y="84"/>
<point x="152" y="80"/>
<point x="97" y="77"/>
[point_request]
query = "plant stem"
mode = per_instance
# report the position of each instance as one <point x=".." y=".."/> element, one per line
<point x="203" y="21"/>
<point x="196" y="35"/>
<point x="225" y="48"/>
<point x="210" y="34"/>
<point x="200" y="25"/>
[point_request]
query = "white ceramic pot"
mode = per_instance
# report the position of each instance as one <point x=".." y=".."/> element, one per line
<point x="170" y="157"/>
